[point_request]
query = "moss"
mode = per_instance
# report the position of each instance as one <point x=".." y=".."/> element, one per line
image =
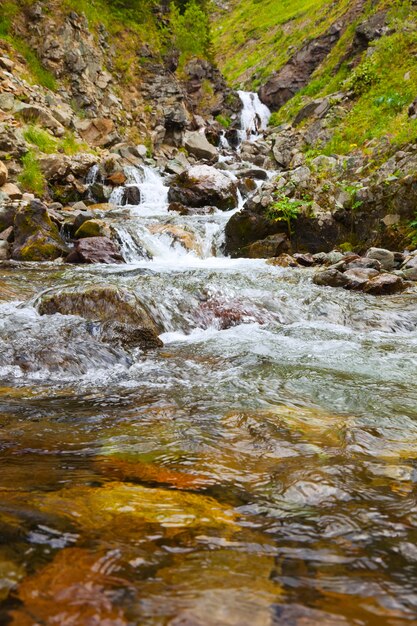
<point x="90" y="228"/>
<point x="39" y="250"/>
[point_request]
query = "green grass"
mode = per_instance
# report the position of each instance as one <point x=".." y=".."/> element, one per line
<point x="48" y="144"/>
<point x="31" y="177"/>
<point x="41" y="138"/>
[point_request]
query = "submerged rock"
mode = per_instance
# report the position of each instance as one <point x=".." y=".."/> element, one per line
<point x="202" y="186"/>
<point x="36" y="237"/>
<point x="95" y="250"/>
<point x="122" y="319"/>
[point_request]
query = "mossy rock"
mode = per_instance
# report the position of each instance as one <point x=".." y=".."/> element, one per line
<point x="36" y="237"/>
<point x="93" y="228"/>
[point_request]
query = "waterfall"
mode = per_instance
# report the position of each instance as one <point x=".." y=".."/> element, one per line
<point x="255" y="116"/>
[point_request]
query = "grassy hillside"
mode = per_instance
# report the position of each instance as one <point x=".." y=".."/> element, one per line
<point x="254" y="39"/>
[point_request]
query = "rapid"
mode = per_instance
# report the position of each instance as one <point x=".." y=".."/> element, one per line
<point x="258" y="469"/>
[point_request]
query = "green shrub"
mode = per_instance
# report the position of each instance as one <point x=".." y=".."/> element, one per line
<point x="362" y="78"/>
<point x="31" y="177"/>
<point x="285" y="210"/>
<point x="190" y="31"/>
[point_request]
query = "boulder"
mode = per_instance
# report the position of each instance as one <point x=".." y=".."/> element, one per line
<point x="197" y="144"/>
<point x="330" y="278"/>
<point x="203" y="185"/>
<point x="98" y="132"/>
<point x="36" y="237"/>
<point x="384" y="285"/>
<point x="12" y="191"/>
<point x="186" y="210"/>
<point x="95" y="250"/>
<point x="121" y="317"/>
<point x="270" y="247"/>
<point x="385" y="257"/>
<point x="7" y="234"/>
<point x="3" y="173"/>
<point x="359" y="277"/>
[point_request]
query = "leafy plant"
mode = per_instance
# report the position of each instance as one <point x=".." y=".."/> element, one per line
<point x="363" y="77"/>
<point x="224" y="121"/>
<point x="286" y="210"/>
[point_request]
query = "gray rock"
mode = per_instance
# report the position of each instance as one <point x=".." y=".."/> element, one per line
<point x="197" y="144"/>
<point x="330" y="278"/>
<point x="385" y="257"/>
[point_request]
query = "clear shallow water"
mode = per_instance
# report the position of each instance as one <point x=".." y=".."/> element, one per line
<point x="259" y="469"/>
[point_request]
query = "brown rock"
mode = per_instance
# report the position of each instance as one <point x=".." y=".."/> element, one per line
<point x="359" y="277"/>
<point x="283" y="260"/>
<point x="272" y="246"/>
<point x="116" y="179"/>
<point x="385" y="285"/>
<point x="95" y="250"/>
<point x="12" y="191"/>
<point x="97" y="132"/>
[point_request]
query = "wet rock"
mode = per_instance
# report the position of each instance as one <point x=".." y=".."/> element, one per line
<point x="93" y="228"/>
<point x="197" y="144"/>
<point x="116" y="179"/>
<point x="3" y="173"/>
<point x="384" y="285"/>
<point x="186" y="210"/>
<point x="36" y="237"/>
<point x="272" y="246"/>
<point x="101" y="193"/>
<point x="385" y="257"/>
<point x="131" y="195"/>
<point x="95" y="250"/>
<point x="330" y="278"/>
<point x="358" y="277"/>
<point x="178" y="235"/>
<point x="203" y="185"/>
<point x="123" y="319"/>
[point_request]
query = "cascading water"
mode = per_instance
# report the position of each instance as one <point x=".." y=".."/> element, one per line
<point x="258" y="469"/>
<point x="254" y="118"/>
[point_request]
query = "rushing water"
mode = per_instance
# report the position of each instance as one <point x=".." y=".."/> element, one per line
<point x="259" y="469"/>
